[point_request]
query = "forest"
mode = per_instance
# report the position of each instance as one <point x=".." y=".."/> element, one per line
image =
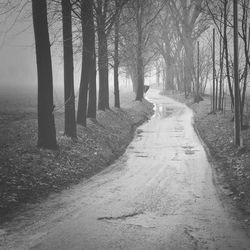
<point x="134" y="36"/>
<point x="167" y="38"/>
<point x="195" y="51"/>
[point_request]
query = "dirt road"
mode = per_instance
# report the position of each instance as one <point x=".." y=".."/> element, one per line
<point x="158" y="195"/>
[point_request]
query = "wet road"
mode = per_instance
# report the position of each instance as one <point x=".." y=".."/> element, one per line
<point x="158" y="195"/>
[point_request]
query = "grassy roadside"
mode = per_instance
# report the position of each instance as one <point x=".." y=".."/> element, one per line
<point x="29" y="173"/>
<point x="231" y="164"/>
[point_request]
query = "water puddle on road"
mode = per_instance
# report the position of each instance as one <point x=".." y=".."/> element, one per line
<point x="162" y="111"/>
<point x="142" y="156"/>
<point x="189" y="150"/>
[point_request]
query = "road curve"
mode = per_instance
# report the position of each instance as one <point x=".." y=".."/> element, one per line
<point x="158" y="195"/>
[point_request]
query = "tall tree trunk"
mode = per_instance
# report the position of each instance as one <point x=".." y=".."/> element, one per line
<point x="106" y="72"/>
<point x="158" y="73"/>
<point x="237" y="120"/>
<point x="69" y="93"/>
<point x="189" y="62"/>
<point x="170" y="73"/>
<point x="178" y="71"/>
<point x="92" y="91"/>
<point x="187" y="74"/>
<point x="165" y="78"/>
<point x="103" y="101"/>
<point x="216" y="92"/>
<point x="221" y="74"/>
<point x="197" y="92"/>
<point x="183" y="73"/>
<point x="46" y="123"/>
<point x="246" y="39"/>
<point x="140" y="76"/>
<point x="87" y="57"/>
<point x="214" y="103"/>
<point x="243" y="95"/>
<point x="225" y="41"/>
<point x="92" y="82"/>
<point x="133" y="75"/>
<point x="116" y="62"/>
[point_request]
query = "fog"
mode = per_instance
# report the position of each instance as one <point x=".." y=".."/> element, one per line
<point x="18" y="73"/>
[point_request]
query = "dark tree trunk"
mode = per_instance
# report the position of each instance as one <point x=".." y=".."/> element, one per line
<point x="46" y="123"/>
<point x="187" y="74"/>
<point x="140" y="76"/>
<point x="214" y="107"/>
<point x="69" y="92"/>
<point x="197" y="93"/>
<point x="170" y="74"/>
<point x="106" y="72"/>
<point x="216" y="92"/>
<point x="103" y="101"/>
<point x="92" y="83"/>
<point x="87" y="58"/>
<point x="221" y="74"/>
<point x="164" y="78"/>
<point x="133" y="76"/>
<point x="189" y="62"/>
<point x="116" y="64"/>
<point x="226" y="53"/>
<point x="158" y="72"/>
<point x="246" y="40"/>
<point x="92" y="91"/>
<point x="183" y="73"/>
<point x="237" y="120"/>
<point x="243" y="95"/>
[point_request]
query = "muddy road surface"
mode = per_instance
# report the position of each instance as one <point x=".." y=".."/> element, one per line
<point x="158" y="195"/>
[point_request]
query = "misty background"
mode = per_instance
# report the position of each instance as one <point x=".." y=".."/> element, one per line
<point x="18" y="73"/>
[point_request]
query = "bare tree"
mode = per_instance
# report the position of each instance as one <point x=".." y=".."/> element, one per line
<point x="69" y="93"/>
<point x="169" y="46"/>
<point x="88" y="60"/>
<point x="46" y="124"/>
<point x="105" y="12"/>
<point x="237" y="126"/>
<point x="136" y="40"/>
<point x="116" y="58"/>
<point x="190" y="24"/>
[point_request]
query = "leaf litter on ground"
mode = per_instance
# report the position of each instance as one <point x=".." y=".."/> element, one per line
<point x="29" y="174"/>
